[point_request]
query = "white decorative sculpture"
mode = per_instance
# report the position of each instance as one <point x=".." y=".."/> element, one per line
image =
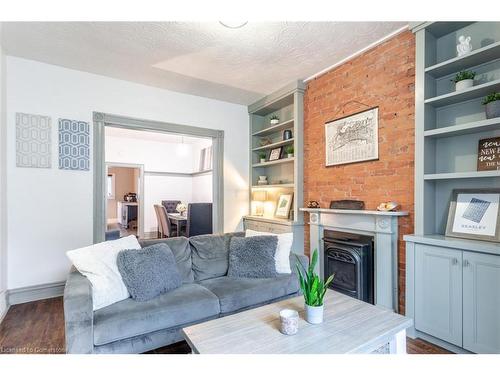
<point x="464" y="46"/>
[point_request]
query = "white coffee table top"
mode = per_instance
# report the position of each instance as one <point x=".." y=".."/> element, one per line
<point x="350" y="326"/>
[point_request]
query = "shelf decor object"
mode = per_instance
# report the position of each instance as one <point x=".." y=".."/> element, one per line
<point x="352" y="139"/>
<point x="488" y="155"/>
<point x="452" y="260"/>
<point x="284" y="173"/>
<point x="33" y="141"/>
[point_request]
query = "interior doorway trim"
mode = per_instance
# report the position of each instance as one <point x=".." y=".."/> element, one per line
<point x="101" y="120"/>
<point x="140" y="215"/>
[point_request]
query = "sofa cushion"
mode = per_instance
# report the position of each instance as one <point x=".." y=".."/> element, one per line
<point x="182" y="253"/>
<point x="210" y="254"/>
<point x="252" y="257"/>
<point x="179" y="307"/>
<point x="149" y="272"/>
<point x="235" y="294"/>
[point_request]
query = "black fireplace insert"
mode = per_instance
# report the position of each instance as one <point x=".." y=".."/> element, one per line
<point x="350" y="257"/>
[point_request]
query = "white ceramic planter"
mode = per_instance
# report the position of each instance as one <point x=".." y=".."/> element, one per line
<point x="274" y="122"/>
<point x="263" y="160"/>
<point x="289" y="155"/>
<point x="314" y="314"/>
<point x="493" y="109"/>
<point x="464" y="84"/>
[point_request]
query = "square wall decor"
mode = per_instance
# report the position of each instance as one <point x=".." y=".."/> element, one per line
<point x="74" y="145"/>
<point x="33" y="141"/>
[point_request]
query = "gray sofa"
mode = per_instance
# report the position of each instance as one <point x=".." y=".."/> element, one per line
<point x="207" y="293"/>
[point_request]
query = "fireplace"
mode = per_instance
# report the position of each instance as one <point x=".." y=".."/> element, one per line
<point x="350" y="257"/>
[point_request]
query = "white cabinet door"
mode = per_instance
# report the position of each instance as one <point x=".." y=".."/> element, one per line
<point x="438" y="292"/>
<point x="481" y="303"/>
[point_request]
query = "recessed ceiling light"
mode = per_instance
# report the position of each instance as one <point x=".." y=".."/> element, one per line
<point x="233" y="24"/>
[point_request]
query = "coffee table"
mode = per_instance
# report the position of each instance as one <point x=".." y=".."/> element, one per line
<point x="350" y="326"/>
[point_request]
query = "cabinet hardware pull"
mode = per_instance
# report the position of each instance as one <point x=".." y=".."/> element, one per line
<point x="466" y="263"/>
<point x="454" y="261"/>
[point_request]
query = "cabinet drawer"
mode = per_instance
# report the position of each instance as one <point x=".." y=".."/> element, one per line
<point x="263" y="226"/>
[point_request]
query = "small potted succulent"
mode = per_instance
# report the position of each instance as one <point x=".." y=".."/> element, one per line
<point x="464" y="79"/>
<point x="262" y="157"/>
<point x="492" y="105"/>
<point x="274" y="119"/>
<point x="289" y="151"/>
<point x="313" y="289"/>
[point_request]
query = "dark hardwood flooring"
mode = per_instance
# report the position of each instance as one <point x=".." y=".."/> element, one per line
<point x="38" y="327"/>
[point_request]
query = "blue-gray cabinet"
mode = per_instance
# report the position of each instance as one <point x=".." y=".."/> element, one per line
<point x="481" y="302"/>
<point x="438" y="293"/>
<point x="453" y="292"/>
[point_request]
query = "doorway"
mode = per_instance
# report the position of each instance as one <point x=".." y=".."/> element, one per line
<point x="125" y="200"/>
<point x="102" y="121"/>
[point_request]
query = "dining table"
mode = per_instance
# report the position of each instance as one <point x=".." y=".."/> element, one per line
<point x="177" y="219"/>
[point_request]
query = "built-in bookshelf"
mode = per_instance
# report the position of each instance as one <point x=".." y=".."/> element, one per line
<point x="284" y="175"/>
<point x="449" y="123"/>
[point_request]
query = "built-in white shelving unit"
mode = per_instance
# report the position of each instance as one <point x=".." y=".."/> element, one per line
<point x="449" y="280"/>
<point x="284" y="175"/>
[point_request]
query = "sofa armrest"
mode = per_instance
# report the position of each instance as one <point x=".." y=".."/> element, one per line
<point x="78" y="314"/>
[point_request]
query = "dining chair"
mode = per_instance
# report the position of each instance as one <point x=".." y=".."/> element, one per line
<point x="170" y="206"/>
<point x="164" y="225"/>
<point x="199" y="219"/>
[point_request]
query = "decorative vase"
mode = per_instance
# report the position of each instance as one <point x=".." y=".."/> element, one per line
<point x="314" y="314"/>
<point x="493" y="109"/>
<point x="275" y="121"/>
<point x="464" y="84"/>
<point x="287" y="134"/>
<point x="262" y="180"/>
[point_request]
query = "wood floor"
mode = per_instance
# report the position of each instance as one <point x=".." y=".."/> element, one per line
<point x="38" y="327"/>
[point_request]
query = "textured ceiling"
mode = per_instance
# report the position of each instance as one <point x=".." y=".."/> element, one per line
<point x="199" y="58"/>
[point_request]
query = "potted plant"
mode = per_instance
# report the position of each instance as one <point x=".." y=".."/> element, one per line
<point x="492" y="103"/>
<point x="289" y="151"/>
<point x="274" y="119"/>
<point x="464" y="79"/>
<point x="262" y="157"/>
<point x="313" y="289"/>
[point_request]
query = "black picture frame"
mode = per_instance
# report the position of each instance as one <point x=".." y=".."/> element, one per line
<point x="275" y="153"/>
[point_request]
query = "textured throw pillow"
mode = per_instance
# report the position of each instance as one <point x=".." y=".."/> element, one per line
<point x="98" y="264"/>
<point x="282" y="256"/>
<point x="149" y="272"/>
<point x="252" y="257"/>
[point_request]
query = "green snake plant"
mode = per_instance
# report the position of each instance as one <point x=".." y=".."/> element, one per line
<point x="312" y="287"/>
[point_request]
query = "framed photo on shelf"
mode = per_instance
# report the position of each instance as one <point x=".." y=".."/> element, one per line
<point x="352" y="139"/>
<point x="283" y="206"/>
<point x="275" y="153"/>
<point x="474" y="214"/>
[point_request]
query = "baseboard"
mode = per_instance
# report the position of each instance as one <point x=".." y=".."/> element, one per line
<point x="35" y="293"/>
<point x="441" y="343"/>
<point x="4" y="307"/>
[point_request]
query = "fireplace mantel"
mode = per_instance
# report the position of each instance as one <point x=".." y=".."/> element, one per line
<point x="382" y="225"/>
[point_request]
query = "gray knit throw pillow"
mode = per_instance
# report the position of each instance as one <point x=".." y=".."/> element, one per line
<point x="252" y="257"/>
<point x="149" y="272"/>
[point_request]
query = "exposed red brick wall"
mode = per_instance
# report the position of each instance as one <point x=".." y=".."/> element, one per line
<point x="383" y="76"/>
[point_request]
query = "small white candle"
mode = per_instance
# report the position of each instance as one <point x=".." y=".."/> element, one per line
<point x="289" y="321"/>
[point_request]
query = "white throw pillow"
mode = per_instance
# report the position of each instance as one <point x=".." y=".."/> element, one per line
<point x="98" y="264"/>
<point x="282" y="255"/>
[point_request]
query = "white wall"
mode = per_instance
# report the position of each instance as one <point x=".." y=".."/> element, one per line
<point x="202" y="188"/>
<point x="50" y="210"/>
<point x="3" y="187"/>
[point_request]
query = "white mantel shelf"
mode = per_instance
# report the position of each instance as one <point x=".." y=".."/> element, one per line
<point x="356" y="212"/>
<point x="381" y="225"/>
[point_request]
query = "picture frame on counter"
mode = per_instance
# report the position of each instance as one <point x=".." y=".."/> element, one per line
<point x="283" y="206"/>
<point x="474" y="214"/>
